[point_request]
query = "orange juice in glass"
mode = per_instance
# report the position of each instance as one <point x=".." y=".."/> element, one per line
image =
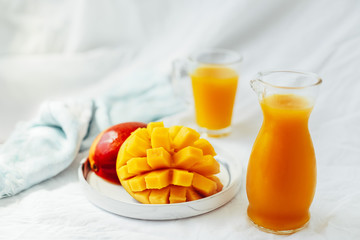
<point x="214" y="89"/>
<point x="214" y="78"/>
<point x="281" y="174"/>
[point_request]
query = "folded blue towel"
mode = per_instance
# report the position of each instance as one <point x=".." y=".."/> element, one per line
<point x="44" y="147"/>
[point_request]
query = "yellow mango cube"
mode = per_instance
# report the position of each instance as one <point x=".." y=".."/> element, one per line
<point x="207" y="166"/>
<point x="137" y="146"/>
<point x="173" y="131"/>
<point x="137" y="183"/>
<point x="125" y="184"/>
<point x="181" y="178"/>
<point x="160" y="138"/>
<point x="158" y="158"/>
<point x="191" y="194"/>
<point x="187" y="157"/>
<point x="123" y="156"/>
<point x="158" y="179"/>
<point x="219" y="185"/>
<point x="204" y="185"/>
<point x="143" y="196"/>
<point x="159" y="196"/>
<point x="138" y="165"/>
<point x="124" y="173"/>
<point x="205" y="146"/>
<point x="177" y="194"/>
<point x="152" y="125"/>
<point x="142" y="133"/>
<point x="185" y="137"/>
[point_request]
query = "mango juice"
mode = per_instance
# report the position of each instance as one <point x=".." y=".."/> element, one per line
<point x="281" y="174"/>
<point x="214" y="88"/>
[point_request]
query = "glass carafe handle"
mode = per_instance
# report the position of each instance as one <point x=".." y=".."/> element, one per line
<point x="180" y="80"/>
<point x="258" y="88"/>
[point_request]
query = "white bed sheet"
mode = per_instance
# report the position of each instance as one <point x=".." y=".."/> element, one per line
<point x="87" y="54"/>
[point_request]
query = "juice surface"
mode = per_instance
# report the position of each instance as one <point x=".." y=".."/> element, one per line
<point x="214" y="91"/>
<point x="281" y="174"/>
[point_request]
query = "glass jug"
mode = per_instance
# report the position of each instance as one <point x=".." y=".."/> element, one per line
<point x="281" y="173"/>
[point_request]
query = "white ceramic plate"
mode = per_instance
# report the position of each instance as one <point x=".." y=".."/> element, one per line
<point x="115" y="199"/>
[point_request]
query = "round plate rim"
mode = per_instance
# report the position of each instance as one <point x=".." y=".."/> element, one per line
<point x="103" y="201"/>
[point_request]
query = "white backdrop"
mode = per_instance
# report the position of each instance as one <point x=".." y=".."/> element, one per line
<point x="52" y="49"/>
<point x="59" y="49"/>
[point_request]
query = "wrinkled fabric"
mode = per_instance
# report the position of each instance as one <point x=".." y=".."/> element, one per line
<point x="88" y="45"/>
<point x="42" y="148"/>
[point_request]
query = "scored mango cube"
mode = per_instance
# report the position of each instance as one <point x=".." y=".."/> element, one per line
<point x="173" y="131"/>
<point x="137" y="183"/>
<point x="142" y="133"/>
<point x="187" y="157"/>
<point x="191" y="194"/>
<point x="204" y="185"/>
<point x="207" y="166"/>
<point x="125" y="184"/>
<point x="182" y="178"/>
<point x="138" y="165"/>
<point x="219" y="185"/>
<point x="160" y="138"/>
<point x="137" y="146"/>
<point x="158" y="158"/>
<point x="158" y="179"/>
<point x="177" y="194"/>
<point x="143" y="196"/>
<point x="152" y="125"/>
<point x="159" y="196"/>
<point x="185" y="137"/>
<point x="123" y="156"/>
<point x="124" y="173"/>
<point x="205" y="146"/>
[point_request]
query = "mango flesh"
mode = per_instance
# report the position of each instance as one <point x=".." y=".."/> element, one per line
<point x="159" y="165"/>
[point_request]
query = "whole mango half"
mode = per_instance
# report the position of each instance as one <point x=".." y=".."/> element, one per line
<point x="105" y="147"/>
<point x="159" y="165"/>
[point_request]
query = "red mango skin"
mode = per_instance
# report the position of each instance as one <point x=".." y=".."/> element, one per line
<point x="104" y="149"/>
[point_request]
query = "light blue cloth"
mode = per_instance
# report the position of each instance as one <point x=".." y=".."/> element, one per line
<point x="44" y="147"/>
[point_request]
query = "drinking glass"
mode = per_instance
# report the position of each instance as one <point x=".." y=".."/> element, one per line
<point x="213" y="76"/>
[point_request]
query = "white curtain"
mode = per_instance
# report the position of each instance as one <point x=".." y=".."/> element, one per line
<point x="55" y="49"/>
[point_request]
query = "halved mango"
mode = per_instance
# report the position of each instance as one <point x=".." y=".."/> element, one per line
<point x="159" y="165"/>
